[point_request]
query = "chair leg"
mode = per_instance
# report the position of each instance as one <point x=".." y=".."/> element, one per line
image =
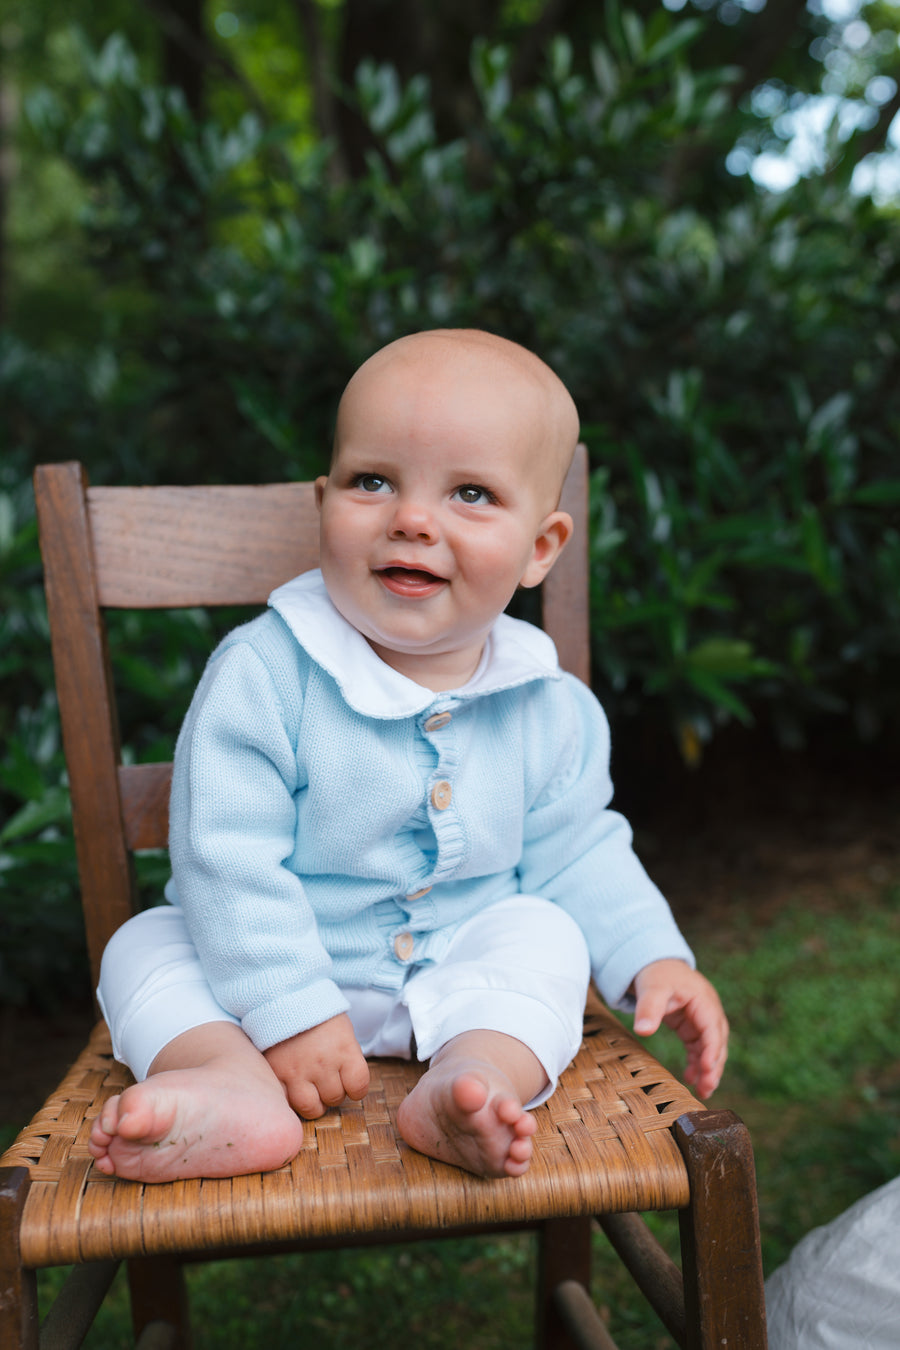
<point x="158" y="1294"/>
<point x="564" y="1253"/>
<point x="721" y="1260"/>
<point x="18" y="1287"/>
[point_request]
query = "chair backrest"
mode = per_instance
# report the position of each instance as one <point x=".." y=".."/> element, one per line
<point x="182" y="547"/>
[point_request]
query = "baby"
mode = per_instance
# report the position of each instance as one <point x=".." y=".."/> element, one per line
<point x="390" y="830"/>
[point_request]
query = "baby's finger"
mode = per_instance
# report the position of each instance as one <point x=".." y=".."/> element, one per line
<point x="305" y="1100"/>
<point x="649" y="1010"/>
<point x="704" y="1069"/>
<point x="331" y="1086"/>
<point x="355" y="1078"/>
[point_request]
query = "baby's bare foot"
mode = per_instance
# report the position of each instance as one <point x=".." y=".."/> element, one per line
<point x="194" y="1123"/>
<point x="472" y="1118"/>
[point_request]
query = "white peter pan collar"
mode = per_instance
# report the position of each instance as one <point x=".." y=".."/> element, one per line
<point x="516" y="653"/>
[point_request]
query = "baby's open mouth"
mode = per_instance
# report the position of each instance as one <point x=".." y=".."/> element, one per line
<point x="411" y="576"/>
<point x="412" y="582"/>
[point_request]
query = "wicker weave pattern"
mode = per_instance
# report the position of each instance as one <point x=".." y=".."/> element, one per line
<point x="608" y="1123"/>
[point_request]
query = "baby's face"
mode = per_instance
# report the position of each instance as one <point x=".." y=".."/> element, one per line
<point x="439" y="503"/>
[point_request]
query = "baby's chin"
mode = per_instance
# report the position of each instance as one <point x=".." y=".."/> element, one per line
<point x="439" y="669"/>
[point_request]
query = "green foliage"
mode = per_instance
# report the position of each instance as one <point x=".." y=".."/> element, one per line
<point x="732" y="362"/>
<point x="41" y="935"/>
<point x="723" y="565"/>
<point x="820" y="977"/>
<point x="812" y="1000"/>
<point x="732" y="355"/>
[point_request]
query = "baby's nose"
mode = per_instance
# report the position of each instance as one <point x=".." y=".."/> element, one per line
<point x="413" y="520"/>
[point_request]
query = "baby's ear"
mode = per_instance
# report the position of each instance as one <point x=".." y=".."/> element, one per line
<point x="553" y="534"/>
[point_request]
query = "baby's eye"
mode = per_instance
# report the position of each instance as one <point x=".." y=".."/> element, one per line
<point x="371" y="482"/>
<point x="473" y="495"/>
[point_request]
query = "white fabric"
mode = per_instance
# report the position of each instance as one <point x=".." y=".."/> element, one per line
<point x="840" y="1287"/>
<point x="520" y="967"/>
<point x="516" y="653"/>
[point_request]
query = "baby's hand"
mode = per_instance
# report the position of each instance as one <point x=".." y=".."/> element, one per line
<point x="321" y="1066"/>
<point x="670" y="992"/>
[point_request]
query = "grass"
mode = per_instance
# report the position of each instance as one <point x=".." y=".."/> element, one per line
<point x="814" y="1003"/>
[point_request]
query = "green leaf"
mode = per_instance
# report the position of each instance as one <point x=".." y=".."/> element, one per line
<point x="50" y="809"/>
<point x="7" y="522"/>
<point x="726" y="657"/>
<point x="831" y="414"/>
<point x="490" y="71"/>
<point x="719" y="693"/>
<point x="685" y="94"/>
<point x="560" y="59"/>
<point x="606" y="72"/>
<point x="883" y="493"/>
<point x="666" y="46"/>
<point x="816" y="550"/>
<point x="633" y="29"/>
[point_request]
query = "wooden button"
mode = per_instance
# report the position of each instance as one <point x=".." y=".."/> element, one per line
<point x="437" y="721"/>
<point x="417" y="895"/>
<point x="403" y="946"/>
<point x="441" y="795"/>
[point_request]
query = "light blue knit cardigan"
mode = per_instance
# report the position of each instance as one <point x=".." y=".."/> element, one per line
<point x="304" y="832"/>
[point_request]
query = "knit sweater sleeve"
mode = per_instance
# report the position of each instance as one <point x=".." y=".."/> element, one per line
<point x="579" y="853"/>
<point x="232" y="835"/>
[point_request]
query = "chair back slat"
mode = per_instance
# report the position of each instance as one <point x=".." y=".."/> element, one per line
<point x="180" y="547"/>
<point x="176" y="547"/>
<point x="144" y="790"/>
<point x="86" y="703"/>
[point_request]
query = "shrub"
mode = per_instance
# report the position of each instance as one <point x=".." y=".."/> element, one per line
<point x="731" y="354"/>
<point x="732" y="361"/>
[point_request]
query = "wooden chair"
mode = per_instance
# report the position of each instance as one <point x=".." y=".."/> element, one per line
<point x="620" y="1135"/>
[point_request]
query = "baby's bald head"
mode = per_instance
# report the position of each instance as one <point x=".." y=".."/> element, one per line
<point x="489" y="374"/>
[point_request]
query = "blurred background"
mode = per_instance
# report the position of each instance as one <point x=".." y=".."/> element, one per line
<point x="212" y="210"/>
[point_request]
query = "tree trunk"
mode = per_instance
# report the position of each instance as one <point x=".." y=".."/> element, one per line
<point x="6" y="173"/>
<point x="183" y="44"/>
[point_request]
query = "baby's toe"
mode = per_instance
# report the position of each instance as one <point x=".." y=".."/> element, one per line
<point x="520" y="1150"/>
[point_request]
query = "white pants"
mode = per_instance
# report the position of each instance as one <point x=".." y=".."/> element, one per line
<point x="520" y="967"/>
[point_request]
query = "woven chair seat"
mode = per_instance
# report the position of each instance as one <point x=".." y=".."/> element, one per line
<point x="603" y="1143"/>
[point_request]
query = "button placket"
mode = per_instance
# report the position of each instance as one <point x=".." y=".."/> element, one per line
<point x="439" y="728"/>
